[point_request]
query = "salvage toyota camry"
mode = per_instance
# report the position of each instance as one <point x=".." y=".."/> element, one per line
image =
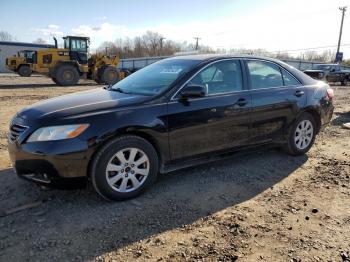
<point x="173" y="113"/>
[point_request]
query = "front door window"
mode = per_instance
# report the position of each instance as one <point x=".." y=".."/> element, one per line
<point x="221" y="77"/>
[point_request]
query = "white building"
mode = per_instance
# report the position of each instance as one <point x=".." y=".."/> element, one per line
<point x="11" y="48"/>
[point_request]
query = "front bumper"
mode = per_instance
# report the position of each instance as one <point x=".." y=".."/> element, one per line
<point x="50" y="163"/>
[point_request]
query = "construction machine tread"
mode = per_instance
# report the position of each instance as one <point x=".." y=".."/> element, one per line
<point x="66" y="75"/>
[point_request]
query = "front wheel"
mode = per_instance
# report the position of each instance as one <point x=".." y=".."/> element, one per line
<point x="66" y="75"/>
<point x="25" y="71"/>
<point x="108" y="75"/>
<point x="124" y="168"/>
<point x="301" y="135"/>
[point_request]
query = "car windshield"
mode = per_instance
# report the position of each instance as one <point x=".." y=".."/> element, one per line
<point x="323" y="67"/>
<point x="155" y="78"/>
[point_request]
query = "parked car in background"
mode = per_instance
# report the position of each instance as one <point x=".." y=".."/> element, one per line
<point x="174" y="113"/>
<point x="330" y="73"/>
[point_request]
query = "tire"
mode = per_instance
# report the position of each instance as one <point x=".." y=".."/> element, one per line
<point x="108" y="75"/>
<point x="98" y="81"/>
<point x="344" y="82"/>
<point x="126" y="73"/>
<point x="113" y="178"/>
<point x="304" y="127"/>
<point x="24" y="70"/>
<point x="67" y="75"/>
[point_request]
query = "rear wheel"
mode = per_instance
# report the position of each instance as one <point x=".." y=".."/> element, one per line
<point x="66" y="75"/>
<point x="108" y="75"/>
<point x="24" y="70"/>
<point x="124" y="168"/>
<point x="301" y="135"/>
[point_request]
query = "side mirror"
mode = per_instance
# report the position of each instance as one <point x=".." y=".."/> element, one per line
<point x="193" y="91"/>
<point x="333" y="70"/>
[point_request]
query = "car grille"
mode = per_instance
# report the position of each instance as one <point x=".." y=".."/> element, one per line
<point x="16" y="131"/>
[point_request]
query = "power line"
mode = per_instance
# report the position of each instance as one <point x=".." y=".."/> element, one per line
<point x="309" y="48"/>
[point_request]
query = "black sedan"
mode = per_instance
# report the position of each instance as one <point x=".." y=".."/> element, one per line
<point x="173" y="113"/>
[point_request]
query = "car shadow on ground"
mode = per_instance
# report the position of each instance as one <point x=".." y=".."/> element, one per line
<point x="341" y="118"/>
<point x="75" y="223"/>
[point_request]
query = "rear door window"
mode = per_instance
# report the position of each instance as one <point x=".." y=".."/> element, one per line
<point x="289" y="79"/>
<point x="264" y="74"/>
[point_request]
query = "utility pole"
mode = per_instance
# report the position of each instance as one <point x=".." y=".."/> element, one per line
<point x="161" y="42"/>
<point x="343" y="9"/>
<point x="160" y="52"/>
<point x="197" y="39"/>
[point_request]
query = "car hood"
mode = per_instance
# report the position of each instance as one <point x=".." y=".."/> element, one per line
<point x="86" y="102"/>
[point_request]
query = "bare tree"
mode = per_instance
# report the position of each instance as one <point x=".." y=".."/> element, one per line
<point x="283" y="55"/>
<point x="39" y="41"/>
<point x="139" y="49"/>
<point x="151" y="41"/>
<point x="108" y="48"/>
<point x="6" y="36"/>
<point x="124" y="47"/>
<point x="325" y="56"/>
<point x="346" y="62"/>
<point x="148" y="44"/>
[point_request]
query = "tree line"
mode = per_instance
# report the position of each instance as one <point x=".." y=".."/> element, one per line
<point x="155" y="44"/>
<point x="149" y="44"/>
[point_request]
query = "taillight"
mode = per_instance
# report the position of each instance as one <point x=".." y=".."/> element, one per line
<point x="330" y="93"/>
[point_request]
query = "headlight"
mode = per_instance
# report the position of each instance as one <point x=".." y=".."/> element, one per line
<point x="57" y="132"/>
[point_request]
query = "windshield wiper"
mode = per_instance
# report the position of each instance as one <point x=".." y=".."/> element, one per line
<point x="118" y="90"/>
<point x="129" y="93"/>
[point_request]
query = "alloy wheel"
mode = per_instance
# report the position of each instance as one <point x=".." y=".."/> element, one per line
<point x="303" y="134"/>
<point x="127" y="170"/>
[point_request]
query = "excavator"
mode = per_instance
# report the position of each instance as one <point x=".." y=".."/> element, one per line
<point x="65" y="66"/>
<point x="21" y="62"/>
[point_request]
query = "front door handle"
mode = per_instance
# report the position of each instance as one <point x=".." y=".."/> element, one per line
<point x="298" y="93"/>
<point x="241" y="102"/>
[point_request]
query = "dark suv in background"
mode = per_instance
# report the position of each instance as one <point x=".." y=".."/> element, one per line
<point x="330" y="72"/>
<point x="173" y="113"/>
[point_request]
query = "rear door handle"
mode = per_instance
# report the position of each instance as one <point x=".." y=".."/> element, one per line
<point x="298" y="93"/>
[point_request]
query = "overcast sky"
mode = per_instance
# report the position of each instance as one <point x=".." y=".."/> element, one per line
<point x="268" y="24"/>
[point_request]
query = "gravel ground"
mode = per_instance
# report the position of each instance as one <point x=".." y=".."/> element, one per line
<point x="260" y="206"/>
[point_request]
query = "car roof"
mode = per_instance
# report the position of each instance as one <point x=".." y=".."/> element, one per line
<point x="211" y="57"/>
<point x="327" y="64"/>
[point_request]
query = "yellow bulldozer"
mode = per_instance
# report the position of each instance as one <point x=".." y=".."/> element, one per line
<point x="21" y="62"/>
<point x="65" y="66"/>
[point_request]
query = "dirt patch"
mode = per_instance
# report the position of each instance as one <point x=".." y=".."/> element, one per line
<point x="261" y="206"/>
